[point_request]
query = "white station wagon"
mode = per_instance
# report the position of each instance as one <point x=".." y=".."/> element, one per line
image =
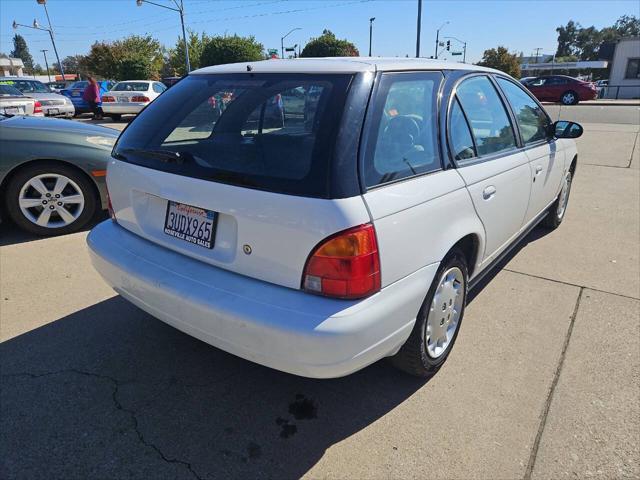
<point x="317" y="215"/>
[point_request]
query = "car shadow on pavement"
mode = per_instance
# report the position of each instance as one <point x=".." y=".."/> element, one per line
<point x="10" y="234"/>
<point x="111" y="392"/>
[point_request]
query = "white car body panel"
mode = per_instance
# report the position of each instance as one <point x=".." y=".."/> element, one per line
<point x="547" y="169"/>
<point x="280" y="229"/>
<point x="417" y="221"/>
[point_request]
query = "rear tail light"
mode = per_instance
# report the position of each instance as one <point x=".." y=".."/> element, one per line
<point x="107" y="99"/>
<point x="345" y="265"/>
<point x="140" y="98"/>
<point x="37" y="107"/>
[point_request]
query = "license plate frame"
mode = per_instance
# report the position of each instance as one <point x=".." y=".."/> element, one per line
<point x="184" y="217"/>
<point x="53" y="111"/>
<point x="122" y="99"/>
<point x="12" y="110"/>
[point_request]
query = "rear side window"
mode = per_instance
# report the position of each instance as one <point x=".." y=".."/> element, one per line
<point x="532" y="120"/>
<point x="403" y="128"/>
<point x="489" y="121"/>
<point x="267" y="131"/>
<point x="158" y="87"/>
<point x="461" y="140"/>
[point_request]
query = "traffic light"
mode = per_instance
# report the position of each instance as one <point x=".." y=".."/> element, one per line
<point x="448" y="45"/>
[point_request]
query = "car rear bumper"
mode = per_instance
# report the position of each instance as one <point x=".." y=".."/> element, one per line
<point x="128" y="108"/>
<point x="275" y="326"/>
<point x="59" y="110"/>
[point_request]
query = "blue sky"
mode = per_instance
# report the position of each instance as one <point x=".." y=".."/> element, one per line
<point x="520" y="25"/>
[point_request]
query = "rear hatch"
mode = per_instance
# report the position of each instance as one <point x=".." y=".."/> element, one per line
<point x="128" y="92"/>
<point x="233" y="170"/>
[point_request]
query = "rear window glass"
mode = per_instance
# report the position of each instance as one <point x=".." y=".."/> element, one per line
<point x="8" y="90"/>
<point x="131" y="87"/>
<point x="267" y="131"/>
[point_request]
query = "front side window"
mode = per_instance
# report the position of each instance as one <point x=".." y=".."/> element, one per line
<point x="403" y="127"/>
<point x="532" y="120"/>
<point x="633" y="69"/>
<point x="271" y="132"/>
<point x="489" y="121"/>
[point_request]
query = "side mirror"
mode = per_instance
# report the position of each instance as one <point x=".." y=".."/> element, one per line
<point x="565" y="129"/>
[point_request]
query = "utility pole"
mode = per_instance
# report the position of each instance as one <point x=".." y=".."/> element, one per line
<point x="418" y="30"/>
<point x="44" y="52"/>
<point x="371" y="33"/>
<point x="537" y="53"/>
<point x="50" y="30"/>
<point x="438" y="37"/>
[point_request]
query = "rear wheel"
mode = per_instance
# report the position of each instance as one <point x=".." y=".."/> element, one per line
<point x="558" y="209"/>
<point x="116" y="117"/>
<point x="50" y="199"/>
<point x="569" y="98"/>
<point x="438" y="321"/>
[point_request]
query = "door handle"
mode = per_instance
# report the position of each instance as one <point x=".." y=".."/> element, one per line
<point x="488" y="192"/>
<point x="538" y="169"/>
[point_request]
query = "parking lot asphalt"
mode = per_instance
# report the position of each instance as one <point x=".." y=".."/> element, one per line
<point x="542" y="383"/>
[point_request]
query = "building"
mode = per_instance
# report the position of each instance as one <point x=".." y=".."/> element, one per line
<point x="624" y="78"/>
<point x="10" y="67"/>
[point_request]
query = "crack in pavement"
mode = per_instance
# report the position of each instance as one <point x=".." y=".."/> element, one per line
<point x="116" y="384"/>
<point x="556" y="377"/>
<point x="570" y="284"/>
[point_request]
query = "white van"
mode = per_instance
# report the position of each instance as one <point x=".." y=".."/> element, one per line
<point x="317" y="215"/>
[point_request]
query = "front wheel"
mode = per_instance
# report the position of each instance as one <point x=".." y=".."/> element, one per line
<point x="558" y="209"/>
<point x="50" y="198"/>
<point x="569" y="98"/>
<point x="438" y="320"/>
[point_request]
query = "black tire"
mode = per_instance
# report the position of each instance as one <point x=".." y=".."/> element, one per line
<point x="22" y="176"/>
<point x="557" y="211"/>
<point x="569" y="98"/>
<point x="413" y="357"/>
<point x="116" y="117"/>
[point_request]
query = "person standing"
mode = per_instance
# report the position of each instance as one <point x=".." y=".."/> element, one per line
<point x="91" y="95"/>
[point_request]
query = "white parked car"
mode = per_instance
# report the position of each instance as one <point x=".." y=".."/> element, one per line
<point x="13" y="102"/>
<point x="52" y="104"/>
<point x="348" y="231"/>
<point x="130" y="97"/>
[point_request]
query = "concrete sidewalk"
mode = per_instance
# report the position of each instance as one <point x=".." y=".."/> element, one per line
<point x="600" y="102"/>
<point x="542" y="384"/>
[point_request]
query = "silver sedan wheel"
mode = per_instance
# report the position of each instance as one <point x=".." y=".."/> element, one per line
<point x="564" y="196"/>
<point x="51" y="200"/>
<point x="444" y="315"/>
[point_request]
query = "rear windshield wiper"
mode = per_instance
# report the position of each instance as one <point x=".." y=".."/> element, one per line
<point x="166" y="156"/>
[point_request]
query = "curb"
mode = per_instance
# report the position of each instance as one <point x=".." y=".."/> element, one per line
<point x="597" y="104"/>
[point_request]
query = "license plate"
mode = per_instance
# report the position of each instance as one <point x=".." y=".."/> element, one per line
<point x="11" y="110"/>
<point x="53" y="111"/>
<point x="191" y="224"/>
<point x="123" y="99"/>
<point x="75" y="94"/>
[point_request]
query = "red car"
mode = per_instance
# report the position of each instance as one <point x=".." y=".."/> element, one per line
<point x="561" y="88"/>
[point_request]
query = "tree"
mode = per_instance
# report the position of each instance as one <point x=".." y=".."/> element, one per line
<point x="230" y="49"/>
<point x="119" y="59"/>
<point x="627" y="26"/>
<point x="567" y="36"/>
<point x="71" y="64"/>
<point x="327" y="45"/>
<point x="176" y="59"/>
<point x="21" y="51"/>
<point x="588" y="43"/>
<point x="500" y="59"/>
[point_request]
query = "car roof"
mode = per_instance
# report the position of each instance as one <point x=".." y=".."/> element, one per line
<point x="340" y="65"/>
<point x="135" y="81"/>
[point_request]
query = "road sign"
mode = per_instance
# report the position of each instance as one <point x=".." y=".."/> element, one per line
<point x="456" y="53"/>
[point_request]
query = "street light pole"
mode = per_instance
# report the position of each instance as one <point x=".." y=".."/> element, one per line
<point x="38" y="27"/>
<point x="371" y="33"/>
<point x="282" y="40"/>
<point x="418" y="28"/>
<point x="50" y="30"/>
<point x="180" y="9"/>
<point x="46" y="64"/>
<point x="438" y="37"/>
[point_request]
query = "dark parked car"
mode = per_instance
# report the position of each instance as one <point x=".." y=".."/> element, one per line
<point x="52" y="172"/>
<point x="561" y="88"/>
<point x="74" y="92"/>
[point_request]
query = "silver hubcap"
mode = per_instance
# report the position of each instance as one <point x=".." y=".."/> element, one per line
<point x="568" y="98"/>
<point x="444" y="314"/>
<point x="51" y="200"/>
<point x="564" y="196"/>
